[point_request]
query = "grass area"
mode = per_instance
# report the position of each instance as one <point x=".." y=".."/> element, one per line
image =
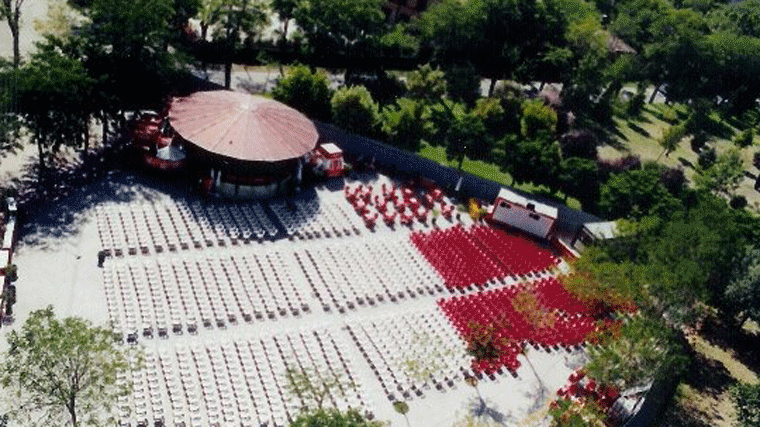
<point x="722" y="358"/>
<point x="639" y="136"/>
<point x="492" y="172"/>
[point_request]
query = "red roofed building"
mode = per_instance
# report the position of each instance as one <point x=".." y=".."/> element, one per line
<point x="534" y="218"/>
<point x="242" y="145"/>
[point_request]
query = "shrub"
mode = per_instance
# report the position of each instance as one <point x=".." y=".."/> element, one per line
<point x="698" y="140"/>
<point x="635" y="104"/>
<point x="623" y="164"/>
<point x="745" y="139"/>
<point x="354" y="110"/>
<point x="537" y="117"/>
<point x="305" y="91"/>
<point x="738" y="202"/>
<point x="674" y="180"/>
<point x="707" y="157"/>
<point x="669" y="115"/>
<point x="578" y="143"/>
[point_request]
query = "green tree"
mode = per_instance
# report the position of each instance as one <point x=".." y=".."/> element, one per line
<point x="354" y="110"/>
<point x="311" y="387"/>
<point x="670" y="139"/>
<point x="285" y="9"/>
<point x="235" y="19"/>
<point x="645" y="349"/>
<point x="537" y="117"/>
<point x="567" y="413"/>
<point x="123" y="46"/>
<point x="334" y="418"/>
<point x="306" y="91"/>
<point x="463" y="83"/>
<point x="533" y="160"/>
<point x="54" y="91"/>
<point x="10" y="10"/>
<point x="745" y="138"/>
<point x="491" y="35"/>
<point x="426" y="83"/>
<point x="491" y="112"/>
<point x="580" y="178"/>
<point x="742" y="295"/>
<point x="63" y="372"/>
<point x="724" y="176"/>
<point x="635" y="194"/>
<point x="740" y="18"/>
<point x="404" y="124"/>
<point x="347" y="29"/>
<point x="746" y="398"/>
<point x="466" y="137"/>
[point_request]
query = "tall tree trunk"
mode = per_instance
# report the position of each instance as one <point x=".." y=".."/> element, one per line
<point x="41" y="154"/>
<point x="16" y="50"/>
<point x="204" y="30"/>
<point x="228" y="73"/>
<point x="491" y="87"/>
<point x="654" y="93"/>
<point x="72" y="411"/>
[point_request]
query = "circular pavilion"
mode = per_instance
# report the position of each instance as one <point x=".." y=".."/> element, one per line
<point x="242" y="145"/>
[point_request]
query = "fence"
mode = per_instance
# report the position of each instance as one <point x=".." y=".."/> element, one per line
<point x="569" y="221"/>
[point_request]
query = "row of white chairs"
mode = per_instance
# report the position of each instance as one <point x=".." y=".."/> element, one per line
<point x="176" y="224"/>
<point x="411" y="353"/>
<point x="315" y="218"/>
<point x="358" y="273"/>
<point x="183" y="293"/>
<point x="242" y="382"/>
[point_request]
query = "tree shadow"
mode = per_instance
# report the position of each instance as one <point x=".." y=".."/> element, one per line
<point x="750" y="175"/>
<point x="484" y="408"/>
<point x="638" y="129"/>
<point x="745" y="346"/>
<point x="685" y="162"/>
<point x="708" y="376"/>
<point x="678" y="415"/>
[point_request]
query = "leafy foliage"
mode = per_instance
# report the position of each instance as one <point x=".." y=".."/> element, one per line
<point x="311" y="387"/>
<point x="724" y="176"/>
<point x="671" y="137"/>
<point x="742" y="295"/>
<point x="334" y="418"/>
<point x="567" y="413"/>
<point x="426" y="83"/>
<point x="537" y="117"/>
<point x="354" y="110"/>
<point x="643" y="350"/>
<point x="63" y="371"/>
<point x="635" y="194"/>
<point x="747" y="400"/>
<point x="306" y="91"/>
<point x="54" y="100"/>
<point x="404" y="123"/>
<point x="345" y="28"/>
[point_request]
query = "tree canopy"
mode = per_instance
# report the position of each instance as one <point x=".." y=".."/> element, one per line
<point x="62" y="371"/>
<point x="306" y="91"/>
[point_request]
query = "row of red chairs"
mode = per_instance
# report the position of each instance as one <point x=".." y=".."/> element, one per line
<point x="392" y="202"/>
<point x="559" y="324"/>
<point x="475" y="256"/>
<point x="512" y="250"/>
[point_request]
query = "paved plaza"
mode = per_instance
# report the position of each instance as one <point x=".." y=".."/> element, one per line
<point x="225" y="296"/>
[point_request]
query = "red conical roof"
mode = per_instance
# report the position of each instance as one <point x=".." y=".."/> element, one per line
<point x="242" y="126"/>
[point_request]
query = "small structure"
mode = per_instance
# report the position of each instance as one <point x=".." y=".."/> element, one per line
<point x="594" y="231"/>
<point x="513" y="210"/>
<point x="328" y="158"/>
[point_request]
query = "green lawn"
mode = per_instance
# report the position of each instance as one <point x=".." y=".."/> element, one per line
<point x="639" y="136"/>
<point x="491" y="171"/>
